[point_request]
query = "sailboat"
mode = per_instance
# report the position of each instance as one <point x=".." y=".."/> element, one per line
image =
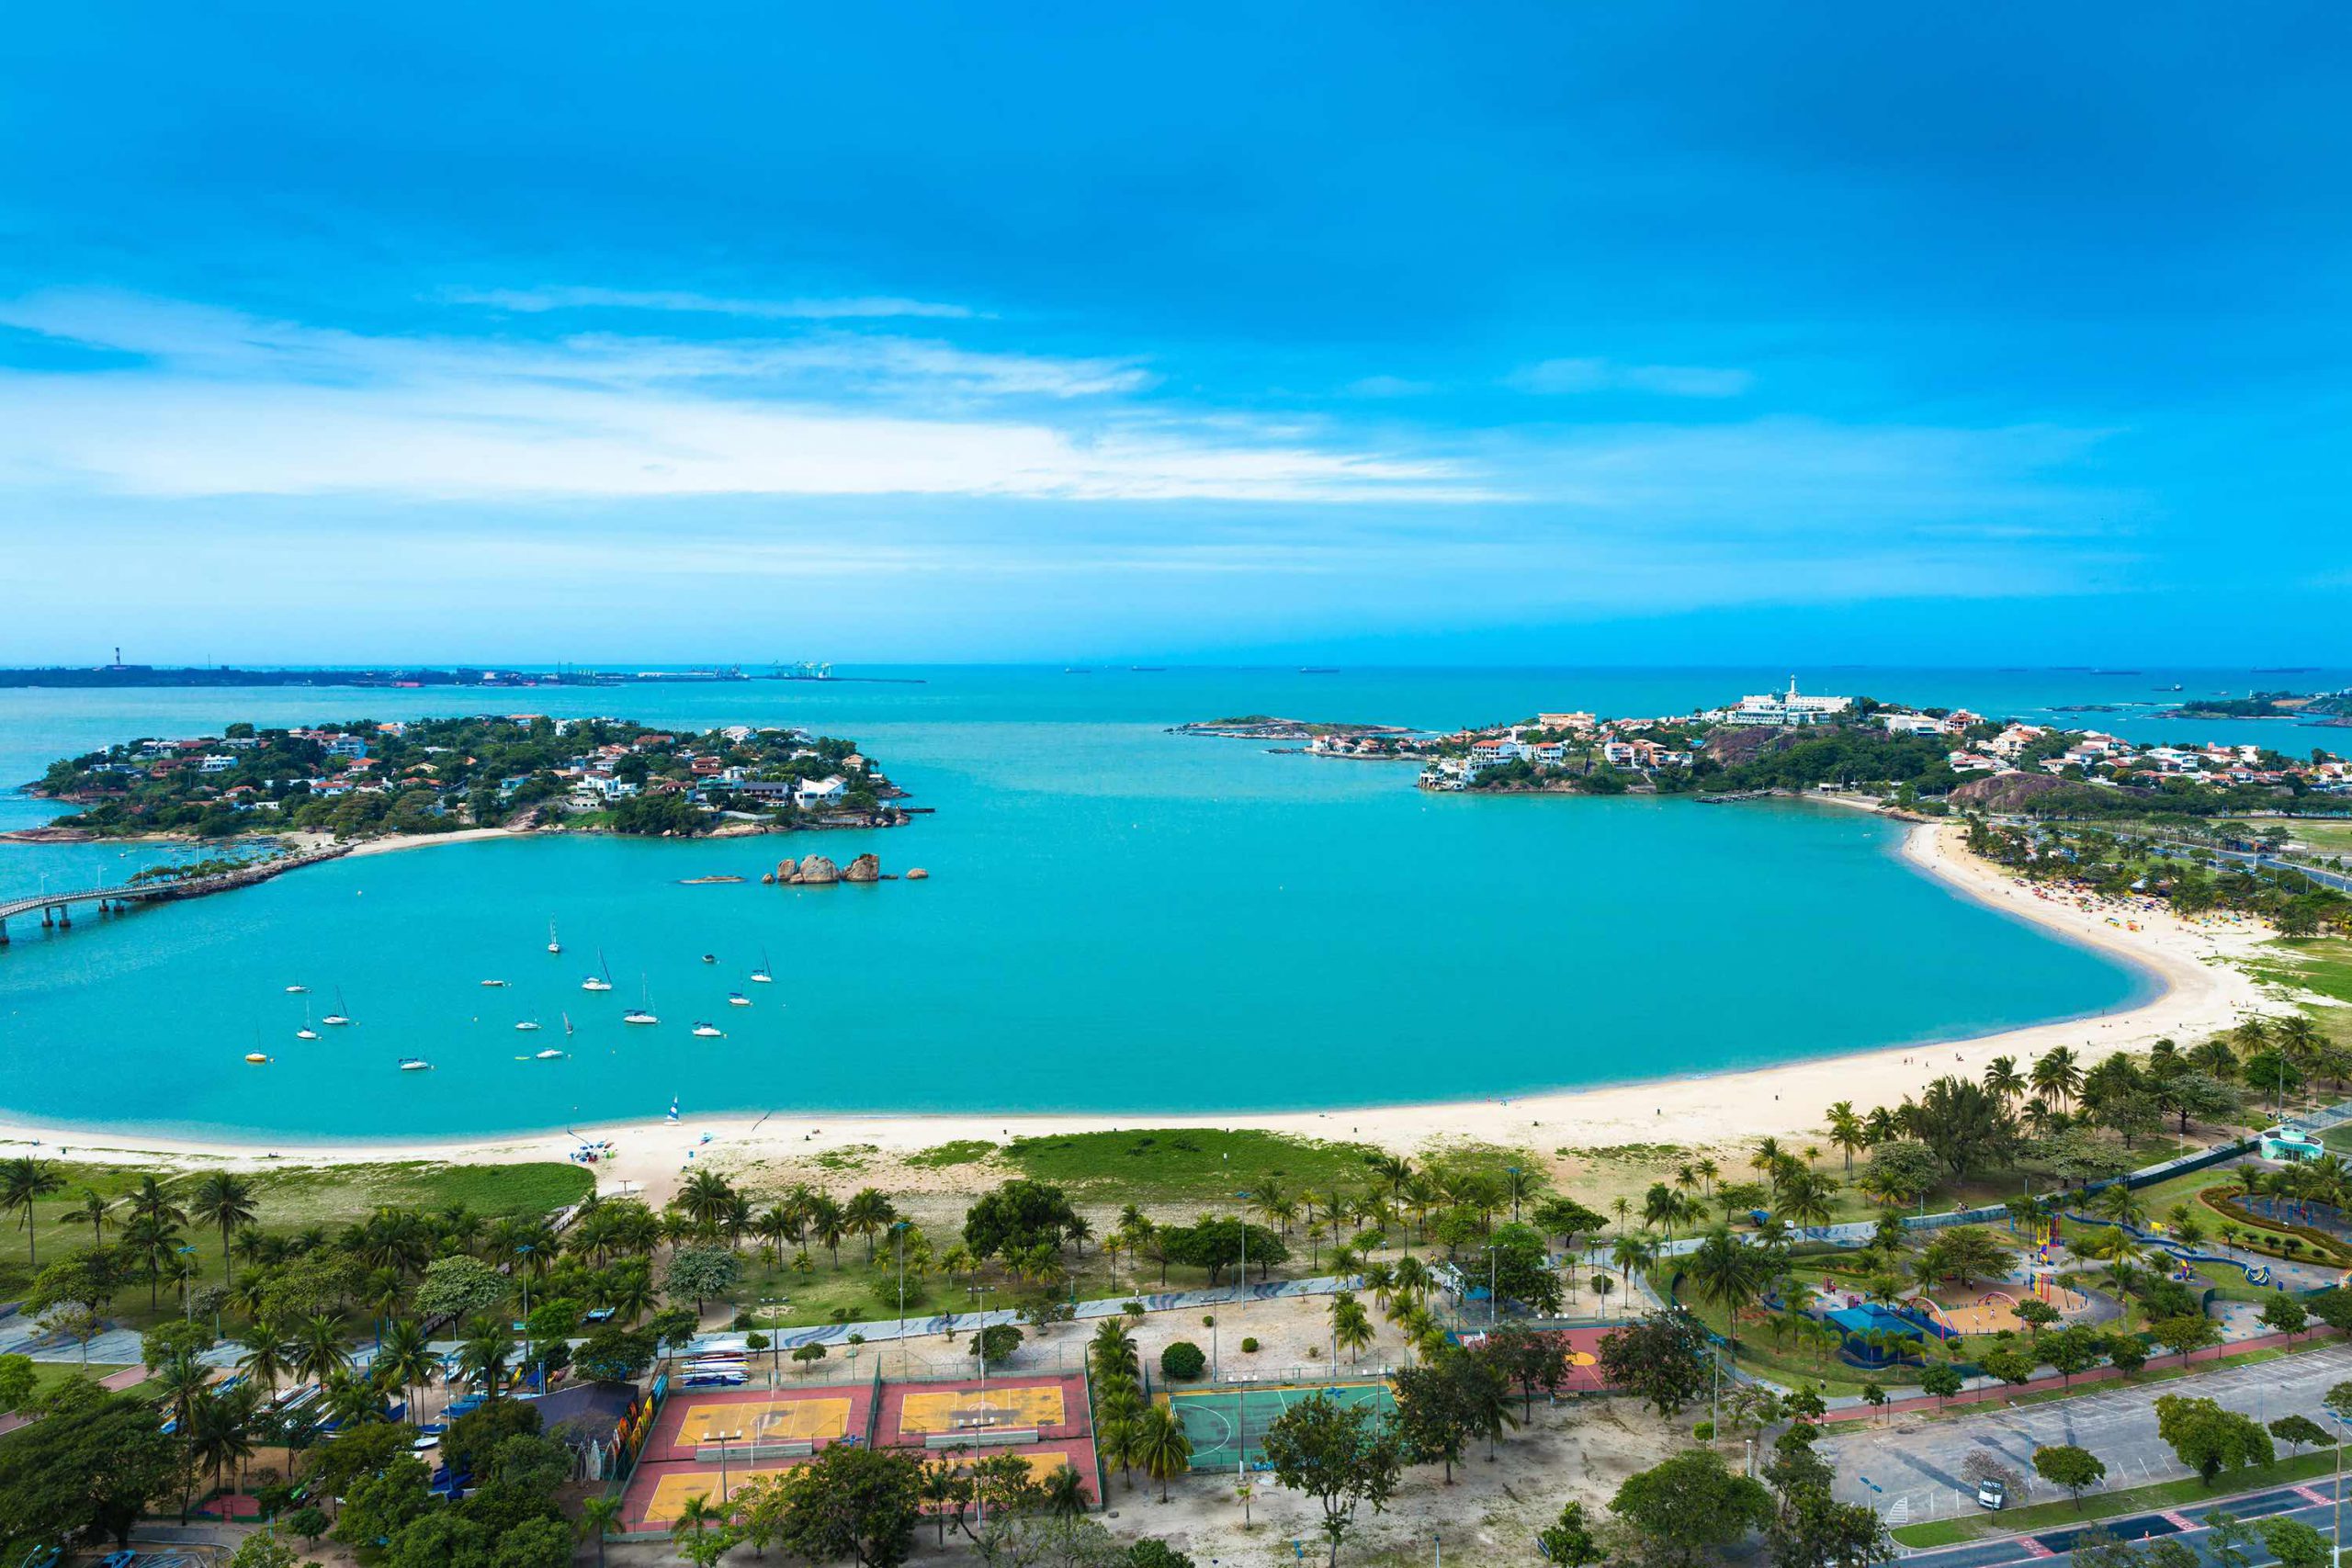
<point x="553" y="946"/>
<point x="528" y="1023"/>
<point x="603" y="979"/>
<point x="306" y="1032"/>
<point x="709" y="1031"/>
<point x="567" y="1026"/>
<point x="673" y="1108"/>
<point x="761" y="976"/>
<point x="338" y="1017"/>
<point x="738" y="1000"/>
<point x="255" y="1057"/>
<point x="643" y="1013"/>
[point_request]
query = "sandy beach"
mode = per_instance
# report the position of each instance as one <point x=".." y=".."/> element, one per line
<point x="2199" y="992"/>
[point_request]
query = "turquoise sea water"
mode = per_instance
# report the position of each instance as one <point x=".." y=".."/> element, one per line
<point x="1118" y="920"/>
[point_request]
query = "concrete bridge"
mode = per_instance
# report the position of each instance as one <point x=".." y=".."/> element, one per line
<point x="56" y="909"/>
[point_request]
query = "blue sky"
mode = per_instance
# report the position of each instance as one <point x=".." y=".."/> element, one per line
<point x="1985" y="335"/>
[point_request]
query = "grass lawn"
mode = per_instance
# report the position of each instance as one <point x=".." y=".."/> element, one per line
<point x="2309" y="964"/>
<point x="1205" y="1165"/>
<point x="48" y="1375"/>
<point x="2184" y="1494"/>
<point x="291" y="1199"/>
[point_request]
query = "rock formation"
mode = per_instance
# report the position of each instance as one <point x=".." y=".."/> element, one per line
<point x="864" y="868"/>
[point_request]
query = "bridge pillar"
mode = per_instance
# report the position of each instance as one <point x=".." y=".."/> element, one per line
<point x="4" y="933"/>
<point x="47" y="919"/>
<point x="64" y="918"/>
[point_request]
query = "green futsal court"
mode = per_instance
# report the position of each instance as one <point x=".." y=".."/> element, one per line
<point x="1227" y="1426"/>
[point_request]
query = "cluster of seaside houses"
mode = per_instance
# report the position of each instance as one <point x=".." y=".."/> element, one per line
<point x="592" y="778"/>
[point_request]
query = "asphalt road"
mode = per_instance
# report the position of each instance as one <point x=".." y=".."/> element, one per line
<point x="1911" y="1471"/>
<point x="2312" y="1504"/>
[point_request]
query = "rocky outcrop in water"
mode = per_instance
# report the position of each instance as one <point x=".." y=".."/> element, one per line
<point x="917" y="874"/>
<point x="864" y="868"/>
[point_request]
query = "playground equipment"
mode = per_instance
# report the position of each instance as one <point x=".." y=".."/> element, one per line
<point x="2256" y="1273"/>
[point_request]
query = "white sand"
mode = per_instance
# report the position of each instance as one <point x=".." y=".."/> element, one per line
<point x="2200" y="994"/>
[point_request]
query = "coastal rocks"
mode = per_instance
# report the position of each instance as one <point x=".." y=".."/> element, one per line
<point x="1732" y="747"/>
<point x="2005" y="792"/>
<point x="917" y="874"/>
<point x="813" y="872"/>
<point x="864" y="868"/>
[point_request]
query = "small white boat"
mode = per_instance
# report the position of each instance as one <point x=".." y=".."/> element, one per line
<point x="603" y="979"/>
<point x="338" y="1017"/>
<point x="255" y="1057"/>
<point x="296" y="990"/>
<point x="643" y="1011"/>
<point x="738" y="1000"/>
<point x="708" y="1031"/>
<point x="673" y="1110"/>
<point x="415" y="1065"/>
<point x="761" y="976"/>
<point x="493" y="982"/>
<point x="549" y="1055"/>
<point x="528" y="1023"/>
<point x="553" y="946"/>
<point x="306" y="1032"/>
<point x="711" y="958"/>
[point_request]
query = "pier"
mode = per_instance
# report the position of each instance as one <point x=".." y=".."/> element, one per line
<point x="56" y="909"/>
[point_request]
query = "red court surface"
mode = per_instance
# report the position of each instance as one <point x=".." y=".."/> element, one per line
<point x="1584" y="1357"/>
<point x="764" y="1430"/>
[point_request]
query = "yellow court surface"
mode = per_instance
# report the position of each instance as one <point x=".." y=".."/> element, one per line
<point x="746" y="1421"/>
<point x="961" y="1410"/>
<point x="669" y="1493"/>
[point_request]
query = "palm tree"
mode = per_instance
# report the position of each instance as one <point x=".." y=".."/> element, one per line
<point x="1065" y="1494"/>
<point x="597" y="1517"/>
<point x="94" y="1211"/>
<point x="2118" y="1203"/>
<point x="828" y="1223"/>
<point x="1729" y="1274"/>
<point x="1630" y="1252"/>
<point x="483" y="1354"/>
<point x="318" y="1349"/>
<point x="704" y="1199"/>
<point x="1708" y="1171"/>
<point x="1520" y="1185"/>
<point x="2003" y="1080"/>
<point x="151" y="1197"/>
<point x="153" y="1241"/>
<point x="1163" y="1450"/>
<point x="225" y="1200"/>
<point x="24" y="1182"/>
<point x="1113" y="1348"/>
<point x="221" y="1429"/>
<point x="697" y="1515"/>
<point x="407" y="1357"/>
<point x="178" y="1380"/>
<point x="629" y="1290"/>
<point x="269" y="1354"/>
<point x="776" y="1227"/>
<point x="868" y="1214"/>
<point x="1845" y="1132"/>
<point x="1351" y="1325"/>
<point x="1396" y="1170"/>
<point x="2057" y="1075"/>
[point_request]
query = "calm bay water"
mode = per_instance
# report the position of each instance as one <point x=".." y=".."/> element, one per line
<point x="1118" y="920"/>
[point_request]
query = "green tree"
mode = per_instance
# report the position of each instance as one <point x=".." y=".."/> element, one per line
<point x="1342" y="1456"/>
<point x="1570" y="1540"/>
<point x="1163" y="1450"/>
<point x="24" y="1182"/>
<point x="2209" y="1439"/>
<point x="2294" y="1544"/>
<point x="1660" y="1360"/>
<point x="1687" y="1511"/>
<point x="2298" y="1432"/>
<point x="700" y="1273"/>
<point x="2075" y="1469"/>
<point x="459" y="1287"/>
<point x="89" y="1467"/>
<point x="225" y="1200"/>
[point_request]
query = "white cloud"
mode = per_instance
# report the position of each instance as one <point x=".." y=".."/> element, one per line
<point x="229" y="404"/>
<point x="1556" y="376"/>
<point x="533" y="301"/>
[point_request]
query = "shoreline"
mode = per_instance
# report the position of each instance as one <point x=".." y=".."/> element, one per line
<point x="2198" y="994"/>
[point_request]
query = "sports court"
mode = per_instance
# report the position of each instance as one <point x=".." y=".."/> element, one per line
<point x="706" y="1436"/>
<point x="1227" y="1426"/>
<point x="757" y="1418"/>
<point x="1583" y="1354"/>
<point x="1002" y="1413"/>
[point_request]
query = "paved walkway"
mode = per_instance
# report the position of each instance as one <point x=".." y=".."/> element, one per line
<point x="2311" y="1503"/>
